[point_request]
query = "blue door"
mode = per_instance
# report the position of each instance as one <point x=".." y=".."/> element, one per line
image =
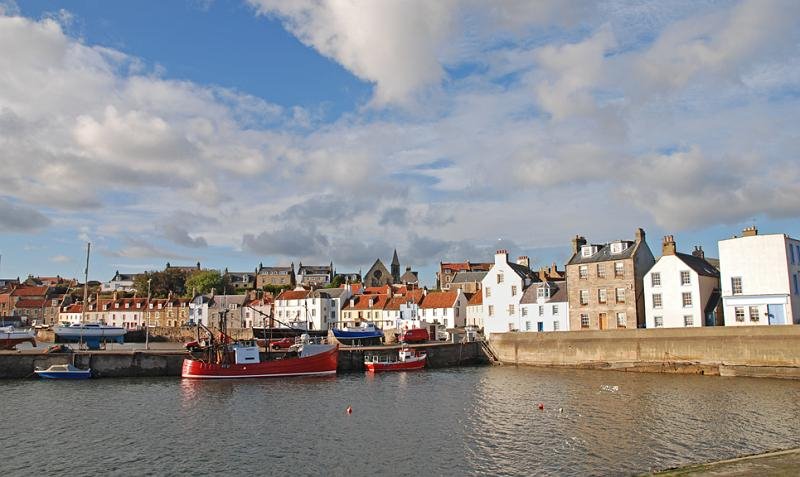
<point x="540" y="326"/>
<point x="776" y="316"/>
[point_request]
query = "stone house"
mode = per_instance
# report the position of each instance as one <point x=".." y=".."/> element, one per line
<point x="275" y="276"/>
<point x="605" y="283"/>
<point x="315" y="275"/>
<point x="448" y="270"/>
<point x="468" y="282"/>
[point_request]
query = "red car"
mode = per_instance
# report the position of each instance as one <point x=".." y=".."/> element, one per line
<point x="283" y="343"/>
<point x="415" y="335"/>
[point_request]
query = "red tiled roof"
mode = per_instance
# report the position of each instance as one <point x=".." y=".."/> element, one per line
<point x="457" y="267"/>
<point x="28" y="303"/>
<point x="74" y="308"/>
<point x="29" y="291"/>
<point x="378" y="290"/>
<point x="362" y="302"/>
<point x="477" y="299"/>
<point x="293" y="295"/>
<point x="439" y="299"/>
<point x="413" y="296"/>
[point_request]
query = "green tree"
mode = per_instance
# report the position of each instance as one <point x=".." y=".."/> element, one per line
<point x="204" y="281"/>
<point x="161" y="283"/>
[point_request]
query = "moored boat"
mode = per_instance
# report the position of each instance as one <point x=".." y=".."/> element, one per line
<point x="89" y="333"/>
<point x="63" y="371"/>
<point x="407" y="359"/>
<point x="242" y="359"/>
<point x="363" y="333"/>
<point x="10" y="337"/>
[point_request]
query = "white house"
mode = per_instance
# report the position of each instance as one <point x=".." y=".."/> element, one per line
<point x="321" y="308"/>
<point x="475" y="310"/>
<point x="760" y="275"/>
<point x="448" y="308"/>
<point x="681" y="290"/>
<point x="544" y="307"/>
<point x="121" y="282"/>
<point x="291" y="309"/>
<point x="70" y="314"/>
<point x="502" y="289"/>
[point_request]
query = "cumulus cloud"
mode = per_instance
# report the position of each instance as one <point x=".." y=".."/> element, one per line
<point x="20" y="219"/>
<point x="138" y="248"/>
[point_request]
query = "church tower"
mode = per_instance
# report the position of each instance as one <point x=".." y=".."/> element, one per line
<point x="395" y="268"/>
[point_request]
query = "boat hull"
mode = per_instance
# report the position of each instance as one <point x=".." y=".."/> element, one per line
<point x="410" y="365"/>
<point x="10" y="343"/>
<point x="83" y="374"/>
<point x="321" y="364"/>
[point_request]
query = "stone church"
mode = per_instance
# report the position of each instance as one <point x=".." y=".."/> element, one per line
<point x="378" y="275"/>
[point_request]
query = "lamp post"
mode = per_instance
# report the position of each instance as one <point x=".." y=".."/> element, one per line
<point x="147" y="323"/>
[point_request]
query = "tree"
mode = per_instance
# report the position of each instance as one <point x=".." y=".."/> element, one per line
<point x="204" y="281"/>
<point x="161" y="283"/>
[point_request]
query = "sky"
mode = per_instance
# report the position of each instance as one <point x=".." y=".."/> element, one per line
<point x="259" y="131"/>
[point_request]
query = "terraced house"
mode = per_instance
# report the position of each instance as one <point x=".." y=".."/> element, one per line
<point x="605" y="283"/>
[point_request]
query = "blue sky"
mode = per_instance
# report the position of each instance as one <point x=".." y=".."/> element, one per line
<point x="235" y="133"/>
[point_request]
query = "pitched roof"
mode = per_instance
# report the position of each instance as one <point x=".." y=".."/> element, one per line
<point x="468" y="277"/>
<point x="442" y="299"/>
<point x="699" y="265"/>
<point x="476" y="299"/>
<point x="604" y="254"/>
<point x="713" y="301"/>
<point x="410" y="277"/>
<point x="558" y="292"/>
<point x="29" y="291"/>
<point x="293" y="295"/>
<point x="31" y="304"/>
<point x="327" y="293"/>
<point x="361" y="302"/>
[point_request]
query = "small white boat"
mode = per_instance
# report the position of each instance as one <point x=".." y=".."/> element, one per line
<point x="63" y="371"/>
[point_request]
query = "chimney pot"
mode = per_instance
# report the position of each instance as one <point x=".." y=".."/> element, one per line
<point x="751" y="231"/>
<point x="668" y="247"/>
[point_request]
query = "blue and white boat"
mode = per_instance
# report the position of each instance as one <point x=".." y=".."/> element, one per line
<point x="63" y="371"/>
<point x="363" y="333"/>
<point x="91" y="334"/>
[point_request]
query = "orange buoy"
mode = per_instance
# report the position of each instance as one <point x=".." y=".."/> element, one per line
<point x="349" y="410"/>
<point x="541" y="407"/>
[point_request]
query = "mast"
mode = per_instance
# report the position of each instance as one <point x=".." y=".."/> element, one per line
<point x="85" y="283"/>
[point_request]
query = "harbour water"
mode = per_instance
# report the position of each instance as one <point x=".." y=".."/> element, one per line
<point x="482" y="420"/>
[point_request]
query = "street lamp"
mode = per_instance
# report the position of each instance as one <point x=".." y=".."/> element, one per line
<point x="147" y="324"/>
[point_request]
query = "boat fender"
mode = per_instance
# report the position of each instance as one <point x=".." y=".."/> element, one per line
<point x="349" y="410"/>
<point x="541" y="407"/>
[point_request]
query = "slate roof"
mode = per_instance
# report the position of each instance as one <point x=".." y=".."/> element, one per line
<point x="521" y="270"/>
<point x="327" y="293"/>
<point x="468" y="277"/>
<point x="558" y="292"/>
<point x="409" y="277"/>
<point x="713" y="301"/>
<point x="699" y="265"/>
<point x="603" y="255"/>
<point x="275" y="269"/>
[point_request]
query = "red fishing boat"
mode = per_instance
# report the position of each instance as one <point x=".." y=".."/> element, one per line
<point x="243" y="359"/>
<point x="407" y="359"/>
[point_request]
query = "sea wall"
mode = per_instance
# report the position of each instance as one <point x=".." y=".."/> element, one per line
<point x="763" y="351"/>
<point x="153" y="363"/>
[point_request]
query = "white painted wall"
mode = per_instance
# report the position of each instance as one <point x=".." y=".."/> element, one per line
<point x="498" y="296"/>
<point x="451" y="317"/>
<point x="672" y="310"/>
<point x="765" y="263"/>
<point x="475" y="314"/>
<point x="542" y="312"/>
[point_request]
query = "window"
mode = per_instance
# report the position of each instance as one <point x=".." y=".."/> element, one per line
<point x="584" y="297"/>
<point x="523" y="310"/>
<point x="796" y="289"/>
<point x="620" y="295"/>
<point x="541" y="310"/>
<point x="655" y="279"/>
<point x="754" y="313"/>
<point x="656" y="300"/>
<point x="617" y="247"/>
<point x="659" y="321"/>
<point x="688" y="320"/>
<point x="686" y="278"/>
<point x="586" y="251"/>
<point x="739" y="311"/>
<point x="488" y="292"/>
<point x="555" y="309"/>
<point x="619" y="269"/>
<point x="543" y="292"/>
<point x="499" y="278"/>
<point x="555" y="326"/>
<point x="510" y="309"/>
<point x="687" y="299"/>
<point x="584" y="320"/>
<point x="621" y="320"/>
<point x="601" y="270"/>
<point x="513" y="290"/>
<point x="736" y="285"/>
<point x="583" y="272"/>
<point x="527" y="326"/>
<point x="491" y="310"/>
<point x="602" y="296"/>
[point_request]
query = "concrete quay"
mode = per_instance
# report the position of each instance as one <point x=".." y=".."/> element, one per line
<point x="162" y="362"/>
<point x="777" y="463"/>
<point x="753" y="351"/>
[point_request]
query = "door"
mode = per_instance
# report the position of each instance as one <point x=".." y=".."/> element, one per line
<point x="776" y="316"/>
<point x="540" y="327"/>
<point x="603" y="321"/>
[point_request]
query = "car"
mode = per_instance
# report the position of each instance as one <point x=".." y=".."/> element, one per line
<point x="283" y="343"/>
<point x="415" y="335"/>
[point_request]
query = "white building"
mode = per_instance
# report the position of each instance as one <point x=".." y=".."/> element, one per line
<point x="760" y="275"/>
<point x="321" y="309"/>
<point x="122" y="282"/>
<point x="681" y="290"/>
<point x="502" y="289"/>
<point x="446" y="308"/>
<point x="475" y="310"/>
<point x="544" y="307"/>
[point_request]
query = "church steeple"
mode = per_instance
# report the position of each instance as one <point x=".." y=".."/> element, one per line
<point x="395" y="268"/>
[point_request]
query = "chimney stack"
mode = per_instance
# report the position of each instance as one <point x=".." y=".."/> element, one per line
<point x="668" y="247"/>
<point x="577" y="243"/>
<point x="501" y="256"/>
<point x="524" y="261"/>
<point x="698" y="252"/>
<point x="751" y="231"/>
<point x="640" y="235"/>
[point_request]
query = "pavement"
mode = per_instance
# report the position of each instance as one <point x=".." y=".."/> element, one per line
<point x="778" y="464"/>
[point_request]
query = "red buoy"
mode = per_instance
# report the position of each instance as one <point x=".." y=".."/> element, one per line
<point x="349" y="410"/>
<point x="541" y="407"/>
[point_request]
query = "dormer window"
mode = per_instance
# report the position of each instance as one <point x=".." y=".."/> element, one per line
<point x="586" y="251"/>
<point x="543" y="292"/>
<point x="619" y="247"/>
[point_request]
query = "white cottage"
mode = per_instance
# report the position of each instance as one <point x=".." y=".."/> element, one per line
<point x="681" y="290"/>
<point x="502" y="290"/>
<point x="544" y="307"/>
